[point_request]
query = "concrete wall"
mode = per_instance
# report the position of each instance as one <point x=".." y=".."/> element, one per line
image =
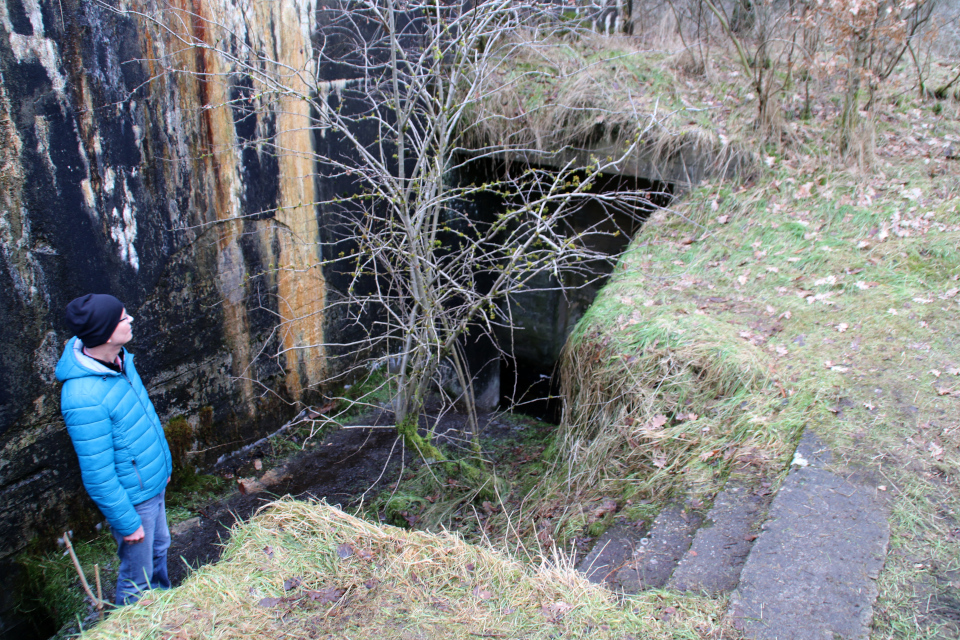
<point x="121" y="178"/>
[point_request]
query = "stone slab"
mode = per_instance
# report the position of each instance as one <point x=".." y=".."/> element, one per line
<point x="658" y="554"/>
<point x="811" y="573"/>
<point x="720" y="547"/>
<point x="610" y="553"/>
<point x="811" y="452"/>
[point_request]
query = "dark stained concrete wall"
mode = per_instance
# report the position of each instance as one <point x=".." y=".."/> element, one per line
<point x="118" y="178"/>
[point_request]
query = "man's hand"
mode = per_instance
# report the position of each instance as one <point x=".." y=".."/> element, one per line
<point x="135" y="537"/>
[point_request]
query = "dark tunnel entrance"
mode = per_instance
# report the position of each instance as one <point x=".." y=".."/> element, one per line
<point x="542" y="320"/>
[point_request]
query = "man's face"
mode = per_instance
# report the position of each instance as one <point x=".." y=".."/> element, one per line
<point x="124" y="331"/>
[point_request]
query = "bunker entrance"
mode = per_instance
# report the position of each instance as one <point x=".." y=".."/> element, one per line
<point x="523" y="376"/>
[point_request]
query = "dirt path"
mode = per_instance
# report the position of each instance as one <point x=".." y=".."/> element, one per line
<point x="349" y="462"/>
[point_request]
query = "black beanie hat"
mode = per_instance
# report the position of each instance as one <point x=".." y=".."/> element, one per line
<point x="93" y="317"/>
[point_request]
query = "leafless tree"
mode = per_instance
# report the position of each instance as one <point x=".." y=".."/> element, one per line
<point x="403" y="92"/>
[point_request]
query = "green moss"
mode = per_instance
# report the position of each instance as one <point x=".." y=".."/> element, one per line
<point x="597" y="528"/>
<point x="205" y="428"/>
<point x="180" y="438"/>
<point x="402" y="508"/>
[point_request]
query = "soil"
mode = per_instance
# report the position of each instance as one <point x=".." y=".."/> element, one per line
<point x="350" y="465"/>
<point x="347" y="463"/>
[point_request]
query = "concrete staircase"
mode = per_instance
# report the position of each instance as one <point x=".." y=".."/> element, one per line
<point x="799" y="565"/>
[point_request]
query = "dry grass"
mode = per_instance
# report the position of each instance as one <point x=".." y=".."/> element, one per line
<point x="304" y="570"/>
<point x="666" y="401"/>
<point x="546" y="95"/>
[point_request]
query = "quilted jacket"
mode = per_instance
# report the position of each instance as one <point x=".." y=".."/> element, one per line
<point x="124" y="457"/>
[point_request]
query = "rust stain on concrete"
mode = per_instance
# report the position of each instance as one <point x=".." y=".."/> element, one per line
<point x="291" y="239"/>
<point x="300" y="281"/>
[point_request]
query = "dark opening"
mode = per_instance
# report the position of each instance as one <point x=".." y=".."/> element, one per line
<point x="543" y="321"/>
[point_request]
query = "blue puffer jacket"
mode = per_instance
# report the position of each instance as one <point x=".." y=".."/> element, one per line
<point x="124" y="457"/>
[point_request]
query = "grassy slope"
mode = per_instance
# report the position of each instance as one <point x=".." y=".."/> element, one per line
<point x="843" y="284"/>
<point x="312" y="571"/>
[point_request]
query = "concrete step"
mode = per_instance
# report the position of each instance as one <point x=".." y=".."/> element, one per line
<point x="628" y="559"/>
<point x="612" y="551"/>
<point x="720" y="547"/>
<point x="811" y="573"/>
<point x="654" y="561"/>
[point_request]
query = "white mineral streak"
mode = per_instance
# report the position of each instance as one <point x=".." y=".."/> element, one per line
<point x="109" y="180"/>
<point x="42" y="129"/>
<point x="123" y="229"/>
<point x="16" y="244"/>
<point x="324" y="89"/>
<point x="86" y="186"/>
<point x="36" y="47"/>
<point x="32" y="7"/>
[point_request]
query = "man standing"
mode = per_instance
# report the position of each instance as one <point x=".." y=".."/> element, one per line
<point x="124" y="458"/>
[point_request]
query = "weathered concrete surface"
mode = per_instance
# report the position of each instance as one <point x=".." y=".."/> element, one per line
<point x="721" y="545"/>
<point x="164" y="190"/>
<point x="811" y="573"/>
<point x="656" y="557"/>
<point x="611" y="552"/>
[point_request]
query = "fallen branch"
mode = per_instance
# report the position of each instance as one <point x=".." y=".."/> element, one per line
<point x="97" y="601"/>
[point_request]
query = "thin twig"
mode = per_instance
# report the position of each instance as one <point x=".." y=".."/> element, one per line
<point x="97" y="602"/>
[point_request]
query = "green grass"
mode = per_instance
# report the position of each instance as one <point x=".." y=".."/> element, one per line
<point x="194" y="492"/>
<point x="845" y="318"/>
<point x="50" y="588"/>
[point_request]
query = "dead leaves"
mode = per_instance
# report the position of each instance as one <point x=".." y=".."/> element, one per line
<point x="803" y="191"/>
<point x="554" y="611"/>
<point x="606" y="506"/>
<point x="482" y="592"/>
<point x="656" y="422"/>
<point x="346" y="550"/>
<point x="325" y="595"/>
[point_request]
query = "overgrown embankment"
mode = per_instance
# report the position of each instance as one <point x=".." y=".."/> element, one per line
<point x="814" y="296"/>
<point x="306" y="570"/>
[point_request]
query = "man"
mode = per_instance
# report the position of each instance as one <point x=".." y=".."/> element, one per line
<point x="124" y="458"/>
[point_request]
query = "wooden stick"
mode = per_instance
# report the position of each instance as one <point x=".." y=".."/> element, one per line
<point x="96" y="574"/>
<point x="83" y="578"/>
